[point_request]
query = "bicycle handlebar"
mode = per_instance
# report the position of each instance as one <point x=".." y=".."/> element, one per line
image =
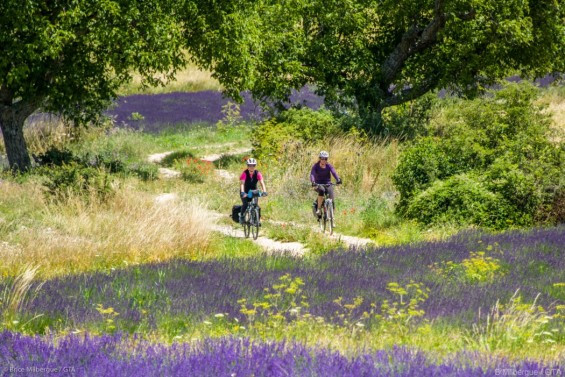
<point x="326" y="184"/>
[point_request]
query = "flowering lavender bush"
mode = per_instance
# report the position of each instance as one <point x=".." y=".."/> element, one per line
<point x="159" y="110"/>
<point x="122" y="356"/>
<point x="533" y="263"/>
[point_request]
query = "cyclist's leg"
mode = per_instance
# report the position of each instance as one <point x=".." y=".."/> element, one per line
<point x="244" y="203"/>
<point x="321" y="192"/>
<point x="331" y="193"/>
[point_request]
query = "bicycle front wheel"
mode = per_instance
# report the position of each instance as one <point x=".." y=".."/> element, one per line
<point x="330" y="213"/>
<point x="255" y="223"/>
<point x="322" y="220"/>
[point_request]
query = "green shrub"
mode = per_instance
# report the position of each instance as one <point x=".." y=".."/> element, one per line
<point x="409" y="120"/>
<point x="55" y="157"/>
<point x="518" y="189"/>
<point x="294" y="125"/>
<point x="76" y="180"/>
<point x="378" y="214"/>
<point x="144" y="171"/>
<point x="500" y="144"/>
<point x="173" y="158"/>
<point x="460" y="199"/>
<point x="420" y="165"/>
<point x="194" y="170"/>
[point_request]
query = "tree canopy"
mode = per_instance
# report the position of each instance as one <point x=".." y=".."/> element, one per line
<point x="69" y="57"/>
<point x="371" y="54"/>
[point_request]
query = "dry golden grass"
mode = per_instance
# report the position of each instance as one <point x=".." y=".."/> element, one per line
<point x="364" y="166"/>
<point x="189" y="79"/>
<point x="555" y="102"/>
<point x="73" y="237"/>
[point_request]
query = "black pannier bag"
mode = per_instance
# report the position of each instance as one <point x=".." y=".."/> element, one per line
<point x="235" y="213"/>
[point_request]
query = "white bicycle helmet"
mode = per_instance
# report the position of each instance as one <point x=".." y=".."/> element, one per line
<point x="324" y="154"/>
<point x="251" y="161"/>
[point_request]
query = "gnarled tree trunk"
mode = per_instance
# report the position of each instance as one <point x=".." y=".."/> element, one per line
<point x="12" y="120"/>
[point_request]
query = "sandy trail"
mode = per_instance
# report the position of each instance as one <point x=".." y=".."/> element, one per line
<point x="217" y="156"/>
<point x="350" y="241"/>
<point x="270" y="245"/>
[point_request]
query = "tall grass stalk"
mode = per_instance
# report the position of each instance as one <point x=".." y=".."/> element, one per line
<point x="512" y="326"/>
<point x="129" y="228"/>
<point x="14" y="295"/>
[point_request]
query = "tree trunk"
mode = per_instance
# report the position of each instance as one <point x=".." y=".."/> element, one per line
<point x="12" y="125"/>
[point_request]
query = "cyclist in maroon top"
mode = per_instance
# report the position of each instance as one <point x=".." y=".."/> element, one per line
<point x="248" y="181"/>
<point x="321" y="174"/>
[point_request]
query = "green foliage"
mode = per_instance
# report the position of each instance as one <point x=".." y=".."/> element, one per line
<point x="194" y="170"/>
<point x="378" y="214"/>
<point x="74" y="180"/>
<point x="478" y="268"/>
<point x="368" y="55"/>
<point x="410" y="119"/>
<point x="173" y="158"/>
<point x="460" y="199"/>
<point x="419" y="166"/>
<point x="487" y="162"/>
<point x="144" y="171"/>
<point x="112" y="161"/>
<point x="514" y="326"/>
<point x="232" y="117"/>
<point x="292" y="126"/>
<point x="136" y="116"/>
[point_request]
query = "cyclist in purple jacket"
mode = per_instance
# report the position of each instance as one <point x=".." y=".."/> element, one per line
<point x="321" y="174"/>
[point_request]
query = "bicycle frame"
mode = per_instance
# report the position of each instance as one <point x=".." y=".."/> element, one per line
<point x="251" y="217"/>
<point x="327" y="217"/>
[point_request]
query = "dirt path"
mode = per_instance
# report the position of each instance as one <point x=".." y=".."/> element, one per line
<point x="217" y="156"/>
<point x="350" y="241"/>
<point x="269" y="245"/>
<point x="156" y="158"/>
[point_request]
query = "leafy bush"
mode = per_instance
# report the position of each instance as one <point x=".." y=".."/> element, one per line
<point x="291" y="126"/>
<point x="487" y="162"/>
<point x="378" y="214"/>
<point x="420" y="166"/>
<point x="76" y="180"/>
<point x="173" y="158"/>
<point x="195" y="170"/>
<point x="460" y="199"/>
<point x="55" y="157"/>
<point x="478" y="268"/>
<point x="144" y="171"/>
<point x="409" y="120"/>
<point x="111" y="161"/>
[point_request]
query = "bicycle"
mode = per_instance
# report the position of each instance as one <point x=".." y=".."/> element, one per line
<point x="327" y="216"/>
<point x="252" y="215"/>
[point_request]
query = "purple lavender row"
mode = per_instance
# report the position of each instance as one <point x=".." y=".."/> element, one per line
<point x="230" y="357"/>
<point x="160" y="110"/>
<point x="534" y="260"/>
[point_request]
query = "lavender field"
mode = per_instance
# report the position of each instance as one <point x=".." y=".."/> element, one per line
<point x="162" y="110"/>
<point x="145" y="296"/>
<point x="127" y="356"/>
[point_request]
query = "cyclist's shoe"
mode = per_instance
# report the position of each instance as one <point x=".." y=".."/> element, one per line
<point x="319" y="212"/>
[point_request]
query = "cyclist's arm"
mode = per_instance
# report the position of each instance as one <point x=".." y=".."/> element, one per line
<point x="334" y="173"/>
<point x="263" y="185"/>
<point x="313" y="174"/>
<point x="242" y="186"/>
<point x="260" y="179"/>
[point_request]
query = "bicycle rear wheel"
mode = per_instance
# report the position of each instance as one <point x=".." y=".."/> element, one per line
<point x="255" y="223"/>
<point x="246" y="225"/>
<point x="330" y="213"/>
